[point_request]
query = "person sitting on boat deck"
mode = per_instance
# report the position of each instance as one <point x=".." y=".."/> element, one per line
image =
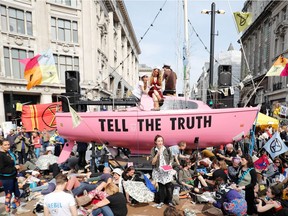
<point x="155" y="89"/>
<point x="170" y="78"/>
<point x="177" y="152"/>
<point x="141" y="88"/>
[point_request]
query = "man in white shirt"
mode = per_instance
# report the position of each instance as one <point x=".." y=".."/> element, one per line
<point x="59" y="203"/>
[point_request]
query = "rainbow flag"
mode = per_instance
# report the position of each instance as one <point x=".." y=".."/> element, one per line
<point x="41" y="68"/>
<point x="278" y="67"/>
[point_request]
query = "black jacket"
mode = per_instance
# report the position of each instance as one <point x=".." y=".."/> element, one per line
<point x="7" y="166"/>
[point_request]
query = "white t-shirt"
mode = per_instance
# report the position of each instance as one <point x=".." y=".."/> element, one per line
<point x="59" y="203"/>
<point x="138" y="90"/>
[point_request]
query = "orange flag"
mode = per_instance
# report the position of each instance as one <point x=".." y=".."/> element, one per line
<point x="40" y="116"/>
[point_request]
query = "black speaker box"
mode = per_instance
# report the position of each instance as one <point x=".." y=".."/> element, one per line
<point x="72" y="82"/>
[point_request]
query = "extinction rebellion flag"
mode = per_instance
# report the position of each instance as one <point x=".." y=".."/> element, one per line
<point x="40" y="116"/>
<point x="275" y="146"/>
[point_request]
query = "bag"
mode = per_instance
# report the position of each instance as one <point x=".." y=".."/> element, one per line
<point x="149" y="184"/>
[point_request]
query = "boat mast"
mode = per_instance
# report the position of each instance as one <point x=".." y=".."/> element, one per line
<point x="186" y="66"/>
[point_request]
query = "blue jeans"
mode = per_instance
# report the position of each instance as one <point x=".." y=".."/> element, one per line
<point x="105" y="210"/>
<point x="83" y="186"/>
<point x="45" y="145"/>
<point x="37" y="152"/>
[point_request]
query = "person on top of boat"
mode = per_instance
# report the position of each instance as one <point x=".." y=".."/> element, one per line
<point x="142" y="87"/>
<point x="170" y="78"/>
<point x="155" y="90"/>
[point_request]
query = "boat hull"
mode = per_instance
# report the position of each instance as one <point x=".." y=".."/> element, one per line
<point x="136" y="129"/>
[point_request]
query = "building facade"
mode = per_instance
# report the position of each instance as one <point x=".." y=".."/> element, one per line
<point x="225" y="91"/>
<point x="95" y="38"/>
<point x="263" y="42"/>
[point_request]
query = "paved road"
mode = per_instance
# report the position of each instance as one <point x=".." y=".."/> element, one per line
<point x="146" y="209"/>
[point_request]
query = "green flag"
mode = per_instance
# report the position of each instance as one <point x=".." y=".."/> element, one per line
<point x="243" y="20"/>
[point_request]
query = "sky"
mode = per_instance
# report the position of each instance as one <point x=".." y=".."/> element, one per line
<point x="163" y="43"/>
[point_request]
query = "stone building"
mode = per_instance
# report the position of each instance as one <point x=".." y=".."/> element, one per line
<point x="264" y="41"/>
<point x="95" y="38"/>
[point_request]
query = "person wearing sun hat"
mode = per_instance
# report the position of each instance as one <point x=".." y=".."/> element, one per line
<point x="117" y="178"/>
<point x="142" y="87"/>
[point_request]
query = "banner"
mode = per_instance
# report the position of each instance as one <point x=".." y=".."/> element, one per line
<point x="275" y="146"/>
<point x="40" y="116"/>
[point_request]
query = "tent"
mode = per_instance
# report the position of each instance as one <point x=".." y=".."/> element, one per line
<point x="263" y="121"/>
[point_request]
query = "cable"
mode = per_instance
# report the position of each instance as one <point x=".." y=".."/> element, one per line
<point x="141" y="38"/>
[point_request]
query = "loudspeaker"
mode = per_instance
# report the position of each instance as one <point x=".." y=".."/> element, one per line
<point x="224" y="75"/>
<point x="72" y="82"/>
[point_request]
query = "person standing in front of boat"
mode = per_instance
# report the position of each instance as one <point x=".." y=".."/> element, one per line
<point x="155" y="90"/>
<point x="170" y="78"/>
<point x="161" y="156"/>
<point x="141" y="88"/>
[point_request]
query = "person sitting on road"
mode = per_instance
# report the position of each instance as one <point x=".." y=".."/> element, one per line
<point x="60" y="202"/>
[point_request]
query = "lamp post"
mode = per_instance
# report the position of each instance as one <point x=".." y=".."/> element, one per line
<point x="212" y="12"/>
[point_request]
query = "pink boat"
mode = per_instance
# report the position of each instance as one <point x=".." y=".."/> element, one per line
<point x="178" y="120"/>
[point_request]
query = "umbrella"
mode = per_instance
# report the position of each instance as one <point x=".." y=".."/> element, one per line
<point x="44" y="161"/>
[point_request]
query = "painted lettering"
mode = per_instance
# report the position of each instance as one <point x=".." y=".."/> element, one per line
<point x="182" y="123"/>
<point x="113" y="125"/>
<point x="149" y="124"/>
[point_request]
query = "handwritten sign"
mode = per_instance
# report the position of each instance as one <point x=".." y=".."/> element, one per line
<point x="155" y="124"/>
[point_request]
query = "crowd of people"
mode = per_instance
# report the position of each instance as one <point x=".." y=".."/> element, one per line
<point x="153" y="86"/>
<point x="227" y="177"/>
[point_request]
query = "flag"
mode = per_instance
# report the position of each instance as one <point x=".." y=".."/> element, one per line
<point x="19" y="107"/>
<point x="278" y="66"/>
<point x="262" y="163"/>
<point x="275" y="146"/>
<point x="243" y="20"/>
<point x="40" y="116"/>
<point x="41" y="68"/>
<point x="285" y="71"/>
<point x="76" y="119"/>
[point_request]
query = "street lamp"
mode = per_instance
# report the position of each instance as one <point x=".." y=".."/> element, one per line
<point x="212" y="39"/>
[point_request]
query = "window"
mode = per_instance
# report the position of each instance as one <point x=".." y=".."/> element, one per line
<point x="284" y="13"/>
<point x="64" y="30"/>
<point x="72" y="3"/>
<point x="13" y="68"/>
<point x="19" y="21"/>
<point x="3" y="18"/>
<point x="65" y="63"/>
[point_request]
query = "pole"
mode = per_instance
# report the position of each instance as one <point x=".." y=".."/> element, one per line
<point x="93" y="157"/>
<point x="212" y="39"/>
<point x="186" y="53"/>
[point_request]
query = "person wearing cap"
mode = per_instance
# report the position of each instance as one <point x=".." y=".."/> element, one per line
<point x="170" y="78"/>
<point x="142" y="87"/>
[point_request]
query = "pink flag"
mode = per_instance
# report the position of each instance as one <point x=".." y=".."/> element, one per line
<point x="285" y="71"/>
